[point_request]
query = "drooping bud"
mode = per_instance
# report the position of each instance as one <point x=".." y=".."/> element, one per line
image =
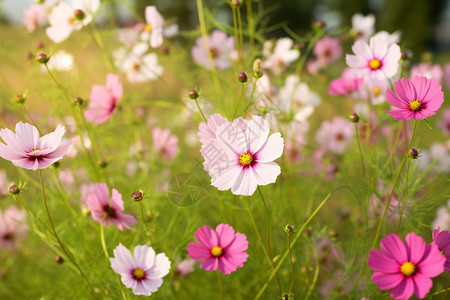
<point x="257" y="68"/>
<point x="137" y="196"/>
<point x="414" y="153"/>
<point x="193" y="94"/>
<point x="354" y="118"/>
<point x="242" y="77"/>
<point x="79" y="14"/>
<point x="42" y="58"/>
<point x="14" y="189"/>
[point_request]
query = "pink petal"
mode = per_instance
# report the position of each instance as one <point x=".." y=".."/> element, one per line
<point x="422" y="285"/>
<point x="404" y="290"/>
<point x="355" y="61"/>
<point x="245" y="183"/>
<point x="395" y="100"/>
<point x="210" y="264"/>
<point x="225" y="266"/>
<point x="401" y="114"/>
<point x="256" y="133"/>
<point x="122" y="256"/>
<point x="391" y="61"/>
<point x="198" y="251"/>
<point x="272" y="149"/>
<point x="405" y="89"/>
<point x="362" y="49"/>
<point x="432" y="263"/>
<point x="386" y="281"/>
<point x="27" y="136"/>
<point x="393" y="246"/>
<point x="379" y="47"/>
<point x="225" y="234"/>
<point x="152" y="285"/>
<point x="144" y="256"/>
<point x="224" y="179"/>
<point x="239" y="244"/>
<point x="415" y="246"/>
<point x="232" y="136"/>
<point x="207" y="236"/>
<point x="266" y="173"/>
<point x="380" y="262"/>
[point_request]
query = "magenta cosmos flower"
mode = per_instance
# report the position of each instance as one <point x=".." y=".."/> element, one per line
<point x="379" y="59"/>
<point x="346" y="84"/>
<point x="242" y="155"/>
<point x="221" y="248"/>
<point x="442" y="240"/>
<point x="27" y="150"/>
<point x="405" y="268"/>
<point x="104" y="100"/>
<point x="144" y="271"/>
<point x="104" y="209"/>
<point x="418" y="98"/>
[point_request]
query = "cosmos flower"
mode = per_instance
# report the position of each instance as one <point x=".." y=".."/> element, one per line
<point x="335" y="135"/>
<point x="363" y="26"/>
<point x="221" y="248"/>
<point x="444" y="123"/>
<point x="153" y="30"/>
<point x="33" y="16"/>
<point x="279" y="56"/>
<point x="242" y="155"/>
<point x="379" y="59"/>
<point x="143" y="271"/>
<point x="406" y="268"/>
<point x="104" y="209"/>
<point x="428" y="70"/>
<point x="327" y="50"/>
<point x="418" y="98"/>
<point x="185" y="267"/>
<point x="27" y="150"/>
<point x="208" y="130"/>
<point x="442" y="219"/>
<point x="346" y="84"/>
<point x="442" y="240"/>
<point x="13" y="225"/>
<point x="104" y="100"/>
<point x="164" y="143"/>
<point x="220" y="45"/>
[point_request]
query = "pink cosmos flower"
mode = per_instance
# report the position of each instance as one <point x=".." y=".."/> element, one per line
<point x="104" y="100"/>
<point x="33" y="17"/>
<point x="378" y="59"/>
<point x="27" y="150"/>
<point x="153" y="30"/>
<point x="220" y="46"/>
<point x="185" y="267"/>
<point x="346" y="84"/>
<point x="444" y="123"/>
<point x="335" y="135"/>
<point x="142" y="272"/>
<point x="104" y="209"/>
<point x="164" y="143"/>
<point x="418" y="98"/>
<point x="442" y="219"/>
<point x="428" y="70"/>
<point x="405" y="268"/>
<point x="279" y="56"/>
<point x="208" y="130"/>
<point x="242" y="156"/>
<point x="221" y="248"/>
<point x="12" y="226"/>
<point x="327" y="50"/>
<point x="363" y="27"/>
<point x="442" y="240"/>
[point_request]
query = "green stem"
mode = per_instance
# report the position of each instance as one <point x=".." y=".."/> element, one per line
<point x="220" y="285"/>
<point x="239" y="101"/>
<point x="201" y="112"/>
<point x="290" y="260"/>
<point x="102" y="236"/>
<point x="316" y="275"/>
<point x="235" y="29"/>
<point x="359" y="148"/>
<point x="241" y="38"/>
<point x="249" y="101"/>
<point x="145" y="223"/>
<point x="405" y="191"/>
<point x="251" y="29"/>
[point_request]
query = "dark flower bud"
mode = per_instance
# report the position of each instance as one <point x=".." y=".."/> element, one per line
<point x="59" y="259"/>
<point x="42" y="58"/>
<point x="193" y="94"/>
<point x="79" y="14"/>
<point x="354" y="118"/>
<point x="242" y="77"/>
<point x="414" y="153"/>
<point x="102" y="163"/>
<point x="289" y="228"/>
<point x="404" y="55"/>
<point x="14" y="189"/>
<point x="20" y="99"/>
<point x="78" y="101"/>
<point x="319" y="24"/>
<point x="137" y="196"/>
<point x="29" y="55"/>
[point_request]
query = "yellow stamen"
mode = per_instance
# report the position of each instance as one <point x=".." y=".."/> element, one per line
<point x="148" y="28"/>
<point x="376" y="91"/>
<point x="408" y="268"/>
<point x="415" y="105"/>
<point x="216" y="251"/>
<point x="245" y="159"/>
<point x="138" y="273"/>
<point x="34" y="149"/>
<point x="374" y="64"/>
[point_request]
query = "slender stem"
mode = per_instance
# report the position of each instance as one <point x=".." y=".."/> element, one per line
<point x="359" y="148"/>
<point x="439" y="292"/>
<point x="235" y="28"/>
<point x="57" y="83"/>
<point x="241" y="37"/>
<point x="102" y="236"/>
<point x="404" y="195"/>
<point x="99" y="42"/>
<point x="316" y="275"/>
<point x="249" y="101"/>
<point x="290" y="260"/>
<point x="393" y="187"/>
<point x="251" y="29"/>
<point x="239" y="101"/>
<point x="394" y="146"/>
<point x="201" y="112"/>
<point x="269" y="248"/>
<point x="304" y="56"/>
<point x="145" y="223"/>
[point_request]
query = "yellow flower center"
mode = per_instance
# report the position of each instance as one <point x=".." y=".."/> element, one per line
<point x="245" y="159"/>
<point x="415" y="105"/>
<point x="148" y="28"/>
<point x="374" y="64"/>
<point x="408" y="268"/>
<point x="34" y="149"/>
<point x="376" y="91"/>
<point x="138" y="273"/>
<point x="216" y="251"/>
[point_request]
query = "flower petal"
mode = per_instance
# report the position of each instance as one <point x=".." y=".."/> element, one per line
<point x="272" y="149"/>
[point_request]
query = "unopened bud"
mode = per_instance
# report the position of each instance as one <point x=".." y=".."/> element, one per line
<point x="79" y="14"/>
<point x="42" y="58"/>
<point x="39" y="45"/>
<point x="56" y="164"/>
<point x="78" y="101"/>
<point x="102" y="163"/>
<point x="242" y="77"/>
<point x="20" y="99"/>
<point x="14" y="189"/>
<point x="404" y="55"/>
<point x="59" y="259"/>
<point x="298" y="46"/>
<point x="414" y="153"/>
<point x="354" y="118"/>
<point x="236" y="3"/>
<point x="29" y="55"/>
<point x="257" y="68"/>
<point x="319" y="24"/>
<point x="289" y="228"/>
<point x="137" y="196"/>
<point x="193" y="94"/>
<point x="38" y="1"/>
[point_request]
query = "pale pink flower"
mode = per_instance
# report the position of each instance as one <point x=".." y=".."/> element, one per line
<point x="143" y="271"/>
<point x="104" y="209"/>
<point x="33" y="16"/>
<point x="442" y="219"/>
<point x="27" y="150"/>
<point x="208" y="130"/>
<point x="293" y="146"/>
<point x="164" y="143"/>
<point x="104" y="100"/>
<point x="376" y="90"/>
<point x="438" y="156"/>
<point x="67" y="179"/>
<point x="363" y="26"/>
<point x="327" y="50"/>
<point x="346" y="84"/>
<point x="444" y="123"/>
<point x="13" y="225"/>
<point x="242" y="156"/>
<point x="312" y="67"/>
<point x="153" y="30"/>
<point x="279" y="56"/>
<point x="335" y="135"/>
<point x="220" y="45"/>
<point x="378" y="59"/>
<point x="391" y="38"/>
<point x="428" y="70"/>
<point x="185" y="267"/>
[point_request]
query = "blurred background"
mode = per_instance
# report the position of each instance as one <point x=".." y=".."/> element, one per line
<point x="425" y="24"/>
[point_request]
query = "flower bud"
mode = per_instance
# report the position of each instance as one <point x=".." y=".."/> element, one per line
<point x="79" y="14"/>
<point x="38" y="1"/>
<point x="42" y="58"/>
<point x="257" y="68"/>
<point x="59" y="259"/>
<point x="102" y="164"/>
<point x="319" y="24"/>
<point x="414" y="153"/>
<point x="236" y="3"/>
<point x="39" y="45"/>
<point x="289" y="228"/>
<point x="14" y="189"/>
<point x="193" y="94"/>
<point x="29" y="55"/>
<point x="137" y="196"/>
<point x="20" y="99"/>
<point x="404" y="55"/>
<point x="78" y="101"/>
<point x="242" y="77"/>
<point x="354" y="118"/>
<point x="298" y="46"/>
<point x="164" y="50"/>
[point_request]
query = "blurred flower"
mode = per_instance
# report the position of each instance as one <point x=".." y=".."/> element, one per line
<point x="13" y="225"/>
<point x="33" y="17"/>
<point x="208" y="130"/>
<point x="363" y="27"/>
<point x="59" y="61"/>
<point x="442" y="240"/>
<point x="185" y="267"/>
<point x="438" y="155"/>
<point x="293" y="146"/>
<point x="442" y="217"/>
<point x="376" y="90"/>
<point x="27" y="150"/>
<point x="104" y="100"/>
<point x="164" y="143"/>
<point x="428" y="70"/>
<point x="279" y="56"/>
<point x="143" y="271"/>
<point x="221" y="248"/>
<point x="391" y="38"/>
<point x="327" y="50"/>
<point x="67" y="179"/>
<point x="335" y="135"/>
<point x="405" y="268"/>
<point x="346" y="84"/>
<point x="242" y="156"/>
<point x="379" y="59"/>
<point x="415" y="99"/>
<point x="447" y="75"/>
<point x="444" y="123"/>
<point x="63" y="21"/>
<point x="220" y="46"/>
<point x="153" y="30"/>
<point x="104" y="209"/>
